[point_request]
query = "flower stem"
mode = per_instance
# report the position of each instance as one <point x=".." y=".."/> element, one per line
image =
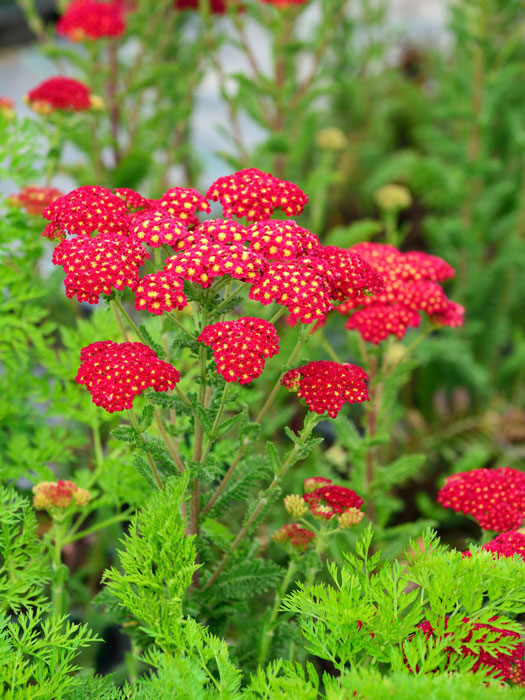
<point x="216" y="422"/>
<point x="167" y="440"/>
<point x="269" y="627"/>
<point x="98" y="526"/>
<point x="149" y="456"/>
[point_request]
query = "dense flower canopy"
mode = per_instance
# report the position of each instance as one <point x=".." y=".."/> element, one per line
<point x="59" y="494"/>
<point x="493" y="497"/>
<point x="92" y="19"/>
<point x="507" y="665"/>
<point x="411" y="286"/>
<point x="326" y="386"/>
<point x="159" y="292"/>
<point x="507" y="544"/>
<point x="255" y="195"/>
<point x="34" y="199"/>
<point x="115" y="373"/>
<point x="60" y="93"/>
<point x="241" y="347"/>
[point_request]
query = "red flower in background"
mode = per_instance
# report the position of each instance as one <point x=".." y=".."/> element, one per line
<point x="217" y="7"/>
<point x="96" y="266"/>
<point x="326" y="386"/>
<point x="160" y="292"/>
<point x="7" y="107"/>
<point x="91" y="19"/>
<point x="505" y="545"/>
<point x="241" y="347"/>
<point x="34" y="199"/>
<point x="60" y="94"/>
<point x="331" y="500"/>
<point x="255" y="195"/>
<point x="59" y="494"/>
<point x="410" y="286"/>
<point x="299" y="537"/>
<point x="115" y="373"/>
<point x="508" y="665"/>
<point x="493" y="497"/>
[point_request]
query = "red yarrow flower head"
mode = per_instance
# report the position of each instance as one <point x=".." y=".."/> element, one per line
<point x="60" y="94"/>
<point x="332" y="500"/>
<point x="159" y="292"/>
<point x="241" y="347"/>
<point x="299" y="537"/>
<point x="96" y="266"/>
<point x="183" y="203"/>
<point x="505" y="545"/>
<point x="48" y="495"/>
<point x="91" y="19"/>
<point x="326" y="386"/>
<point x="255" y="195"/>
<point x="115" y="373"/>
<point x="85" y="210"/>
<point x="353" y="277"/>
<point x="156" y="228"/>
<point x="7" y="108"/>
<point x="495" y="498"/>
<point x="411" y="285"/>
<point x="222" y="231"/>
<point x="34" y="199"/>
<point x="314" y="482"/>
<point x="506" y="665"/>
<point x="281" y="240"/>
<point x="217" y="7"/>
<point x="133" y="200"/>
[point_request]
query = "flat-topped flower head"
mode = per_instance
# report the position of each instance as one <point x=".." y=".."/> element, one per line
<point x="349" y="518"/>
<point x="184" y="202"/>
<point x="295" y="505"/>
<point x="133" y="200"/>
<point x="507" y="544"/>
<point x="281" y="240"/>
<point x="159" y="292"/>
<point x="508" y="665"/>
<point x="156" y="228"/>
<point x="301" y="285"/>
<point x="353" y="276"/>
<point x="85" y="210"/>
<point x="34" y="199"/>
<point x="255" y="195"/>
<point x="331" y="500"/>
<point x="241" y="347"/>
<point x="326" y="386"/>
<point x="295" y="535"/>
<point x="222" y="231"/>
<point x="96" y="266"/>
<point x="60" y="94"/>
<point x="201" y="261"/>
<point x="49" y="495"/>
<point x="495" y="498"/>
<point x="91" y="19"/>
<point x="411" y="285"/>
<point x="115" y="373"/>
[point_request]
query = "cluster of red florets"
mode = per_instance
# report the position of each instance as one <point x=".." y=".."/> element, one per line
<point x="34" y="199"/>
<point x="115" y="373"/>
<point x="160" y="292"/>
<point x="241" y="347"/>
<point x="505" y="665"/>
<point x="299" y="537"/>
<point x="59" y="494"/>
<point x="156" y="228"/>
<point x="96" y="266"/>
<point x="281" y="240"/>
<point x="217" y="7"/>
<point x="60" y="93"/>
<point x="411" y="286"/>
<point x="494" y="497"/>
<point x="330" y="500"/>
<point x="326" y="386"/>
<point x="505" y="545"/>
<point x="90" y="19"/>
<point x="255" y="195"/>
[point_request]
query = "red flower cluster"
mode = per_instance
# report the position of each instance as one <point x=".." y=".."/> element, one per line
<point x="508" y="666"/>
<point x="114" y="373"/>
<point x="183" y="202"/>
<point x="84" y="210"/>
<point x="352" y="275"/>
<point x="411" y="285"/>
<point x="201" y="261"/>
<point x="59" y="494"/>
<point x="7" y="107"/>
<point x="505" y="545"/>
<point x="314" y="482"/>
<point x="299" y="537"/>
<point x="34" y="199"/>
<point x="217" y="7"/>
<point x="222" y="231"/>
<point x="255" y="195"/>
<point x="281" y="240"/>
<point x="331" y="500"/>
<point x="160" y="292"/>
<point x="96" y="266"/>
<point x="90" y="19"/>
<point x="326" y="386"/>
<point x="157" y="228"/>
<point x="59" y="93"/>
<point x="241" y="347"/>
<point x="494" y="497"/>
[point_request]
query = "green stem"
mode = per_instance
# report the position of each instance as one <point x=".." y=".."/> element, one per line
<point x="309" y="424"/>
<point x="167" y="440"/>
<point x="269" y="627"/>
<point x="277" y="315"/>
<point x="227" y="299"/>
<point x="57" y="586"/>
<point x="179" y="325"/>
<point x="320" y="544"/>
<point x="326" y="345"/>
<point x="216" y="422"/>
<point x="73" y="537"/>
<point x="149" y="456"/>
<point x="130" y="321"/>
